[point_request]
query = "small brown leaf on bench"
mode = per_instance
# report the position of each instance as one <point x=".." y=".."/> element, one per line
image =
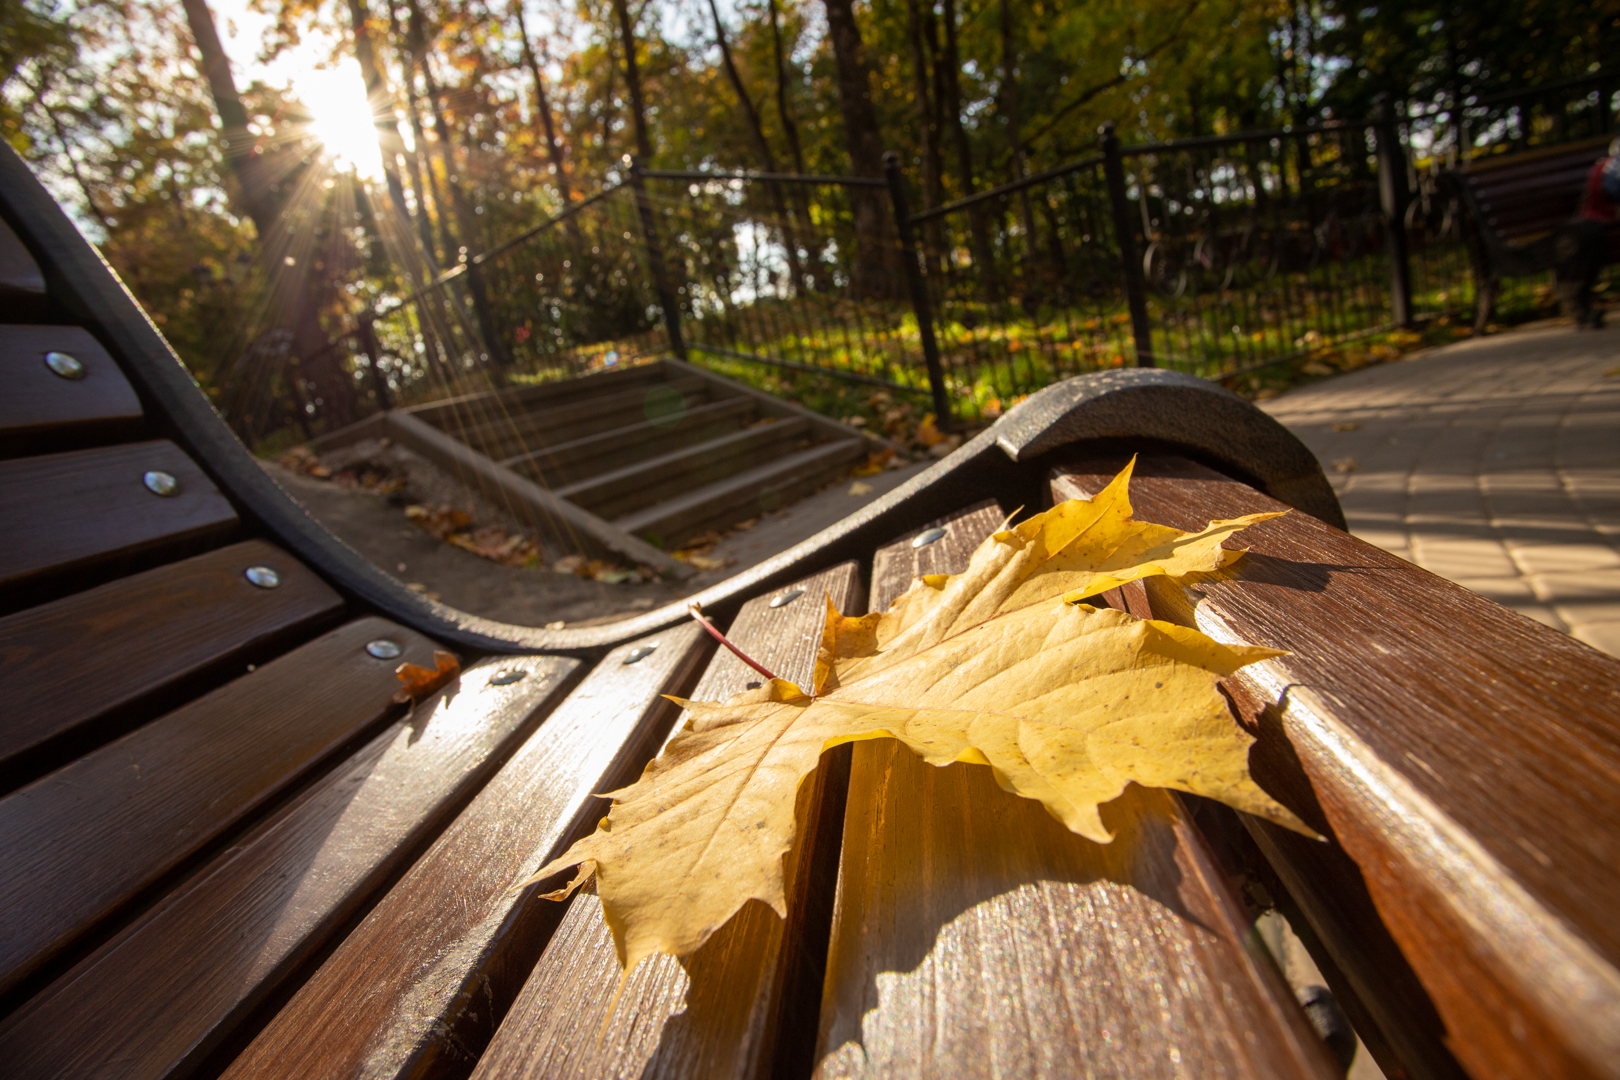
<point x="420" y="681"/>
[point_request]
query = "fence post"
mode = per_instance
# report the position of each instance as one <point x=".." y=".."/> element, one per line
<point x="655" y="260"/>
<point x="1393" y="195"/>
<point x="918" y="287"/>
<point x="1125" y="235"/>
<point x="499" y="358"/>
<point x="373" y="351"/>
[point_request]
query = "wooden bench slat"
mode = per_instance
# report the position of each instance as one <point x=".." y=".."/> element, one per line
<point x="451" y="943"/>
<point x="64" y="513"/>
<point x="896" y="565"/>
<point x="160" y="997"/>
<point x="138" y="636"/>
<point x="975" y="935"/>
<point x="39" y="404"/>
<point x="1464" y="756"/>
<point x="76" y="844"/>
<point x="717" y="1015"/>
<point x="19" y="273"/>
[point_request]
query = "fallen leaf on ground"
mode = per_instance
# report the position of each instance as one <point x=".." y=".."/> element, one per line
<point x="1000" y="666"/>
<point x="1347" y="425"/>
<point x="420" y="681"/>
<point x="858" y="489"/>
<point x="1345" y="465"/>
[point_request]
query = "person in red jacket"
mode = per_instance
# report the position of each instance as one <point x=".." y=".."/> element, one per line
<point x="1581" y="247"/>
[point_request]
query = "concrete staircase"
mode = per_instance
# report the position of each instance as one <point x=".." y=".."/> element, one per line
<point x="632" y="463"/>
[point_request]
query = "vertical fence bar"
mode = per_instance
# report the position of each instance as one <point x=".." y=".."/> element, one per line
<point x="655" y="260"/>
<point x="373" y="351"/>
<point x="1393" y="194"/>
<point x="1125" y="236"/>
<point x="493" y="342"/>
<point x="918" y="288"/>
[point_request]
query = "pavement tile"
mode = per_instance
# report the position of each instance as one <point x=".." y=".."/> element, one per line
<point x="1605" y="637"/>
<point x="1463" y="558"/>
<point x="1564" y="558"/>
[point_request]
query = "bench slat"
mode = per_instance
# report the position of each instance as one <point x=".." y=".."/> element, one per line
<point x="447" y="949"/>
<point x="896" y="565"/>
<point x="975" y="935"/>
<point x="19" y="273"/>
<point x="76" y="844"/>
<point x="130" y="639"/>
<point x="160" y="997"/>
<point x="65" y="513"/>
<point x="41" y="405"/>
<point x="716" y="1016"/>
<point x="1464" y="756"/>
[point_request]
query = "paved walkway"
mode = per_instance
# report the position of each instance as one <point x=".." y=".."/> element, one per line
<point x="1494" y="462"/>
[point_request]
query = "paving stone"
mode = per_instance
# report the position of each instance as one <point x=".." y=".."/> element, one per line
<point x="1494" y="461"/>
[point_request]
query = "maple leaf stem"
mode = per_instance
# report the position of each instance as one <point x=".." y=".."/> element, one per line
<point x="714" y="631"/>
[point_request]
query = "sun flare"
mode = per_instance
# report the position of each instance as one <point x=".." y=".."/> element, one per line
<point x="341" y="116"/>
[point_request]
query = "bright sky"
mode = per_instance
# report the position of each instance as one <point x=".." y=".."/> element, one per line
<point x="334" y="93"/>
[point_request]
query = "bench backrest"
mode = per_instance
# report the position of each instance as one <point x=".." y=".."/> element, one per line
<point x="1522" y="196"/>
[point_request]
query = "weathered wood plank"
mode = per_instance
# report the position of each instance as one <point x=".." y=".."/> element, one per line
<point x="1464" y="757"/>
<point x="975" y="936"/>
<point x="74" y="662"/>
<point x="41" y="406"/>
<point x="554" y="517"/>
<point x="723" y="1012"/>
<point x="677" y="471"/>
<point x="76" y="844"/>
<point x="469" y="409"/>
<point x="519" y="431"/>
<point x="156" y="1000"/>
<point x="447" y="949"/>
<point x="578" y="459"/>
<point x="762" y="488"/>
<point x="63" y="513"/>
<point x="896" y="565"/>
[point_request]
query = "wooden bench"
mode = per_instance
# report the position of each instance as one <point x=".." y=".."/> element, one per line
<point x="1513" y="206"/>
<point x="225" y="851"/>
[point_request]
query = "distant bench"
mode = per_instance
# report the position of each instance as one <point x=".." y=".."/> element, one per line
<point x="1514" y="206"/>
<point x="225" y="851"/>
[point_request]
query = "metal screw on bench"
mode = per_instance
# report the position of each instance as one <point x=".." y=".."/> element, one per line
<point x="507" y="677"/>
<point x="161" y="483"/>
<point x="65" y="364"/>
<point x="262" y="576"/>
<point x="785" y="598"/>
<point x="928" y="536"/>
<point x="640" y="653"/>
<point x="383" y="649"/>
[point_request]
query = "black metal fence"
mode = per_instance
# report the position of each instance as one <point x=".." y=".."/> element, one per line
<point x="1216" y="256"/>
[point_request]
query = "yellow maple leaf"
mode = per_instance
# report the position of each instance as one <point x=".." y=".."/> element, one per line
<point x="1000" y="666"/>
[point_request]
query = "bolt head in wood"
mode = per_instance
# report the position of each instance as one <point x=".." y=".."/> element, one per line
<point x="161" y="483"/>
<point x="64" y="364"/>
<point x="383" y="649"/>
<point x="507" y="676"/>
<point x="928" y="536"/>
<point x="262" y="576"/>
<point x="783" y="599"/>
<point x="640" y="653"/>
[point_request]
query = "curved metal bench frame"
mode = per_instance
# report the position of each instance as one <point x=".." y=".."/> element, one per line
<point x="1137" y="407"/>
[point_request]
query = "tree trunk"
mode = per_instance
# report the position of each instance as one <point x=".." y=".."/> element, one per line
<point x="632" y="76"/>
<point x="293" y="288"/>
<point x="928" y="117"/>
<point x="543" y="107"/>
<point x="800" y="192"/>
<point x="761" y="144"/>
<point x="978" y="223"/>
<point x="1015" y="151"/>
<point x="877" y="271"/>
